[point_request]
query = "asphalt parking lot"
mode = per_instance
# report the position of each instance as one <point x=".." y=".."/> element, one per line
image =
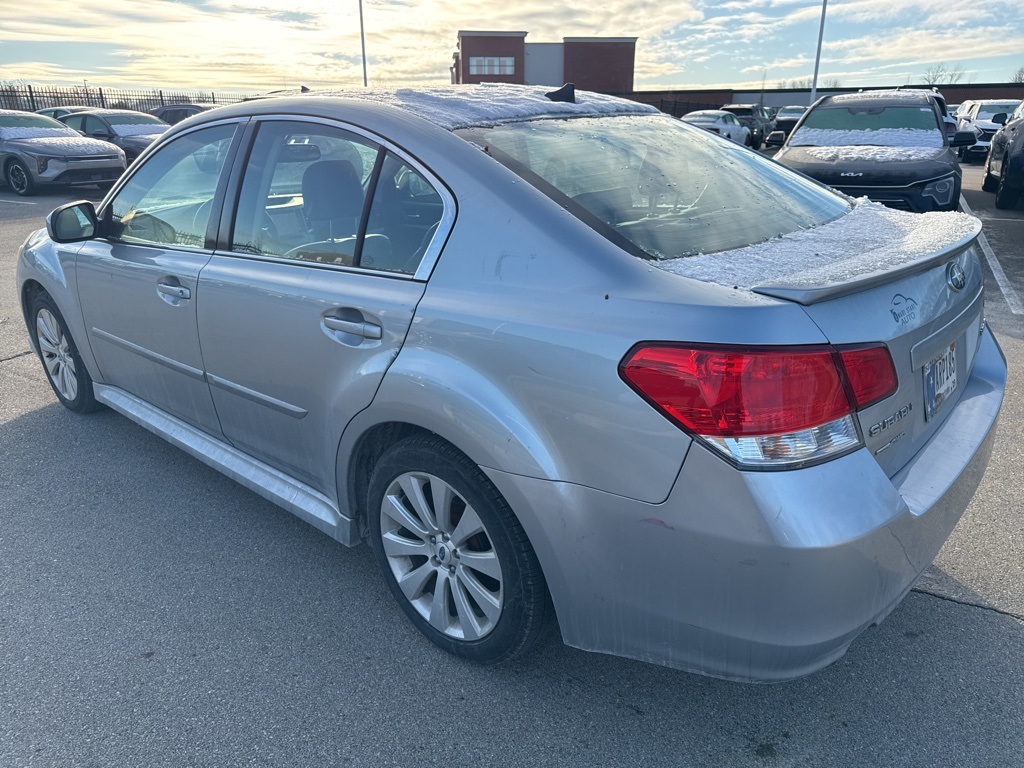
<point x="155" y="613"/>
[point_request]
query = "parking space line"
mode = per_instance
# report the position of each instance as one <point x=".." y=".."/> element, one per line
<point x="19" y="202"/>
<point x="1012" y="299"/>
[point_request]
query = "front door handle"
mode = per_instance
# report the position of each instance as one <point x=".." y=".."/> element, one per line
<point x="176" y="291"/>
<point x="366" y="330"/>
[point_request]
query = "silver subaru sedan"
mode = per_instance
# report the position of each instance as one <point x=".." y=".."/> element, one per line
<point x="554" y="357"/>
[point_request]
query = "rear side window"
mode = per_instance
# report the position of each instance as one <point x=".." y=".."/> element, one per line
<point x="658" y="187"/>
<point x="305" y="194"/>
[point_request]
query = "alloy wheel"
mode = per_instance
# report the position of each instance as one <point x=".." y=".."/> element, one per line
<point x="56" y="353"/>
<point x="441" y="556"/>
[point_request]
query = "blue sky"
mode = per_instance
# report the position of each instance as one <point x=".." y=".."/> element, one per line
<point x="228" y="45"/>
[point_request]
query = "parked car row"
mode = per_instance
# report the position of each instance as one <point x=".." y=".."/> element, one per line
<point x="705" y="411"/>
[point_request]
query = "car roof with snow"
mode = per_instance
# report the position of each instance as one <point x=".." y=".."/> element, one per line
<point x="470" y="106"/>
<point x="891" y="98"/>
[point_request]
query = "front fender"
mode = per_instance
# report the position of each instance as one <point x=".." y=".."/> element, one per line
<point x="52" y="266"/>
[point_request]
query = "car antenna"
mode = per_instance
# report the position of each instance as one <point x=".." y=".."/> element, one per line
<point x="566" y="93"/>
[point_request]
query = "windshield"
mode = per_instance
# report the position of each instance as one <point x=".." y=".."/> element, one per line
<point x="133" y="125"/>
<point x="988" y="111"/>
<point x="868" y="124"/>
<point x="658" y="187"/>
<point x="32" y="126"/>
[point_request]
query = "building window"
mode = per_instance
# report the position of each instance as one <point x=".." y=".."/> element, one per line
<point x="492" y="65"/>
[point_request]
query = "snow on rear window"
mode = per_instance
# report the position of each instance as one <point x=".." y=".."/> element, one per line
<point x="870" y="239"/>
<point x="139" y="130"/>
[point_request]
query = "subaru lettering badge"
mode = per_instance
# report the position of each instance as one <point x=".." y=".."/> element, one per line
<point x="955" y="276"/>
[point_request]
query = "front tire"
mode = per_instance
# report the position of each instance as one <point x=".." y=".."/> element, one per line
<point x="453" y="554"/>
<point x="65" y="371"/>
<point x="990" y="183"/>
<point x="19" y="179"/>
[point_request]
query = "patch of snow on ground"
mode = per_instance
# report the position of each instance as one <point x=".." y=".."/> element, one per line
<point x="884" y="137"/>
<point x="464" y="106"/>
<point x="869" y="239"/>
<point x="874" y="154"/>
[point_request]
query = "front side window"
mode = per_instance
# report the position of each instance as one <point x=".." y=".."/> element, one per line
<point x="169" y="199"/>
<point x="95" y="127"/>
<point x="658" y="187"/>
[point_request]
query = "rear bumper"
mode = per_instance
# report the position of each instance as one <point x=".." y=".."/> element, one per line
<point x="757" y="576"/>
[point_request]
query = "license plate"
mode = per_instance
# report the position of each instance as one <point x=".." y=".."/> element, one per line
<point x="940" y="380"/>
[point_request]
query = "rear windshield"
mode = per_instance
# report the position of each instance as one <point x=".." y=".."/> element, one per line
<point x="658" y="187"/>
<point x="742" y="111"/>
<point x="869" y="124"/>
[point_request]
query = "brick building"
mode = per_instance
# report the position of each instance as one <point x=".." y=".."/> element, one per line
<point x="593" y="63"/>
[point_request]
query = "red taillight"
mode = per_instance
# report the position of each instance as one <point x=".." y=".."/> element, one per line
<point x="723" y="392"/>
<point x="870" y="372"/>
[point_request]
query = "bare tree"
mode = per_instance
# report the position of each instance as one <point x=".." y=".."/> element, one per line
<point x="832" y="82"/>
<point x="1018" y="76"/>
<point x="941" y="73"/>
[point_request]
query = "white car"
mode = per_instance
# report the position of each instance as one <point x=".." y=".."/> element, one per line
<point x="721" y="122"/>
<point x="977" y="116"/>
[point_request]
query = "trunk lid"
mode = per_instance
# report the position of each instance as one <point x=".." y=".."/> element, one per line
<point x="911" y="281"/>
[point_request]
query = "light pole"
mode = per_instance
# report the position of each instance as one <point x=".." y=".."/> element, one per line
<point x="817" y="56"/>
<point x="362" y="39"/>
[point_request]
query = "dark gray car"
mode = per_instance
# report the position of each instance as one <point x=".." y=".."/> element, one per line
<point x="889" y="146"/>
<point x="547" y="358"/>
<point x="129" y="130"/>
<point x="37" y="150"/>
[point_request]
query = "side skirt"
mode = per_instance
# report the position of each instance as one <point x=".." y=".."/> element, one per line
<point x="298" y="498"/>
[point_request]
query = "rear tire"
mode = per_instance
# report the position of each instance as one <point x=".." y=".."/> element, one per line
<point x="990" y="182"/>
<point x="65" y="371"/>
<point x="453" y="554"/>
<point x="1006" y="198"/>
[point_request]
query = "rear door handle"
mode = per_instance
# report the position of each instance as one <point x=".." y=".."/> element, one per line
<point x="177" y="291"/>
<point x="366" y="330"/>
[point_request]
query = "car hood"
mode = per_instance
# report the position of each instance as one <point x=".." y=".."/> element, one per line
<point x="61" y="146"/>
<point x="986" y="125"/>
<point x="864" y="165"/>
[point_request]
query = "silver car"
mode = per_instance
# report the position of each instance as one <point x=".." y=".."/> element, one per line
<point x="568" y="360"/>
<point x="36" y="150"/>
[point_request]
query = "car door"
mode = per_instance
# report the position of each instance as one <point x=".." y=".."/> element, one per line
<point x="311" y="298"/>
<point x="137" y="284"/>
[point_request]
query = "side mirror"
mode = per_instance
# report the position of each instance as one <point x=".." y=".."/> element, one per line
<point x="72" y="223"/>
<point x="775" y="139"/>
<point x="1000" y="118"/>
<point x="963" y="139"/>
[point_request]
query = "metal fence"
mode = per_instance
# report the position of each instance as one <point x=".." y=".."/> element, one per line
<point x="33" y="97"/>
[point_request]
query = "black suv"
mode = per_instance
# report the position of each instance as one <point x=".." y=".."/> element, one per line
<point x="756" y="118"/>
<point x="131" y="131"/>
<point x="890" y="146"/>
